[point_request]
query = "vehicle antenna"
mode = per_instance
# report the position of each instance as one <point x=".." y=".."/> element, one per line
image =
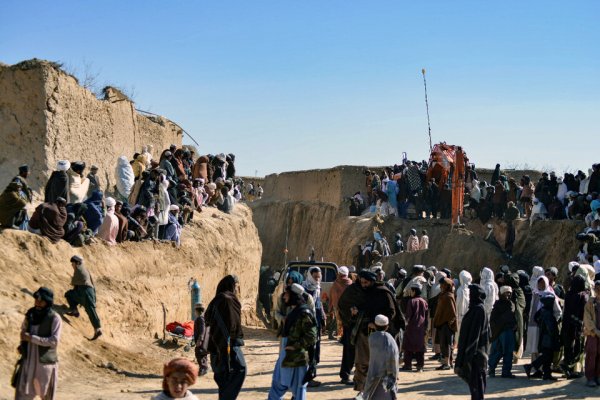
<point x="427" y="108"/>
<point x="287" y="230"/>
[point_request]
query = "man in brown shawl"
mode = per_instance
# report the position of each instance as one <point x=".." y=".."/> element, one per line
<point x="123" y="223"/>
<point x="223" y="316"/>
<point x="445" y="322"/>
<point x="49" y="219"/>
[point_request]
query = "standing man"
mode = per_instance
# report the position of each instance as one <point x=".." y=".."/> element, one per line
<point x="312" y="286"/>
<point x="337" y="288"/>
<point x="224" y="317"/>
<point x="83" y="293"/>
<point x="378" y="300"/>
<point x="503" y="325"/>
<point x="474" y="345"/>
<point x="352" y="298"/>
<point x="297" y="347"/>
<point x="93" y="178"/>
<point x="40" y="334"/>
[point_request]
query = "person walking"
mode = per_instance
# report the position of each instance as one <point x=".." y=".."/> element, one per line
<point x="383" y="363"/>
<point x="297" y="350"/>
<point x="83" y="293"/>
<point x="474" y="345"/>
<point x="40" y="335"/>
<point x="224" y="318"/>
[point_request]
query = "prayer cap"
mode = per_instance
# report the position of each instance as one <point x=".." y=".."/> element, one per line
<point x="110" y="202"/>
<point x="296" y="288"/>
<point x="553" y="271"/>
<point x="63" y="165"/>
<point x="419" y="268"/>
<point x="416" y="285"/>
<point x="168" y="153"/>
<point x="343" y="271"/>
<point x="382" y="320"/>
<point x="504" y="289"/>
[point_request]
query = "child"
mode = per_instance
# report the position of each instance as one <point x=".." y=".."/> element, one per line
<point x="178" y="375"/>
<point x="200" y="339"/>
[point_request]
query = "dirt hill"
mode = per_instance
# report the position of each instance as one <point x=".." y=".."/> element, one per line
<point x="309" y="208"/>
<point x="132" y="280"/>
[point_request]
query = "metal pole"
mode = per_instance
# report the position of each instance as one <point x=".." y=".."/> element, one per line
<point x="175" y="123"/>
<point x="427" y="108"/>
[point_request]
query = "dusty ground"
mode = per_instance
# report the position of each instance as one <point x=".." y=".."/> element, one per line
<point x="261" y="353"/>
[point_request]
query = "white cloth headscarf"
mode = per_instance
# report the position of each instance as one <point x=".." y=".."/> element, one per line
<point x="490" y="288"/>
<point x="536" y="272"/>
<point x="125" y="177"/>
<point x="463" y="295"/>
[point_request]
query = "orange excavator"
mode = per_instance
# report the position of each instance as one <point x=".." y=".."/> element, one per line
<point x="448" y="164"/>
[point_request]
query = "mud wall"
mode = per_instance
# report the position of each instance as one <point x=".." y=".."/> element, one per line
<point x="132" y="281"/>
<point x="45" y="116"/>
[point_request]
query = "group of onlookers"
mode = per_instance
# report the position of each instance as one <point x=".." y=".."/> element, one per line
<point x="153" y="198"/>
<point x="573" y="196"/>
<point x="404" y="190"/>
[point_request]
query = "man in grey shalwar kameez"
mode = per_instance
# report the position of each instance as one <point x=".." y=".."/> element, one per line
<point x="40" y="334"/>
<point x="383" y="363"/>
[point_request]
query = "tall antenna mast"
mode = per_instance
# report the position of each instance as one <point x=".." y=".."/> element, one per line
<point x="427" y="108"/>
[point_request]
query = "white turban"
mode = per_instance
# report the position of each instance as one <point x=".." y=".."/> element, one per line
<point x="504" y="289"/>
<point x="110" y="202"/>
<point x="382" y="320"/>
<point x="63" y="165"/>
<point x="343" y="271"/>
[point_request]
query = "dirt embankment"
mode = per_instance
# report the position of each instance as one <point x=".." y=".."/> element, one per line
<point x="309" y="208"/>
<point x="132" y="280"/>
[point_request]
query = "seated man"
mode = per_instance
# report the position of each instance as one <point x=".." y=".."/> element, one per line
<point x="12" y="206"/>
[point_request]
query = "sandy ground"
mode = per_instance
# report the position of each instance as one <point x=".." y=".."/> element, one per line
<point x="261" y="354"/>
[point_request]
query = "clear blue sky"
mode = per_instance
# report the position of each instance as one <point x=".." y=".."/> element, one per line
<point x="289" y="85"/>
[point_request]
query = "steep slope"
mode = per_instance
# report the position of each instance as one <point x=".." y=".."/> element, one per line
<point x="132" y="280"/>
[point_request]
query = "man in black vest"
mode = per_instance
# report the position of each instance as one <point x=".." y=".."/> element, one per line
<point x="40" y="333"/>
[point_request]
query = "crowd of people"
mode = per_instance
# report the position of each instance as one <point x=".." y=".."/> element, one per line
<point x="404" y="190"/>
<point x="471" y="324"/>
<point x="154" y="197"/>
